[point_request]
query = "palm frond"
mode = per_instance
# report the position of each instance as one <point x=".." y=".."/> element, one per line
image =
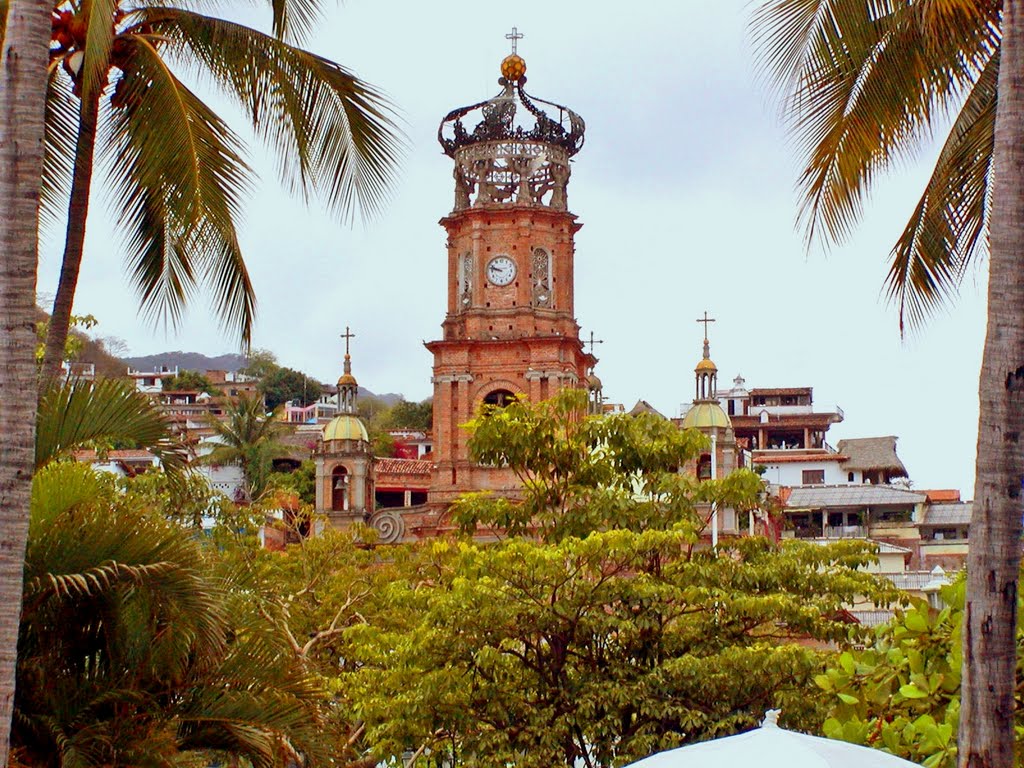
<point x="99" y="40"/>
<point x="178" y="178"/>
<point x="331" y="132"/>
<point x="61" y="127"/>
<point x="947" y="231"/>
<point x="864" y="83"/>
<point x="72" y="415"/>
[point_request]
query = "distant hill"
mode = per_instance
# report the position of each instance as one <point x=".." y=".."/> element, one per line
<point x="92" y="351"/>
<point x="191" y="361"/>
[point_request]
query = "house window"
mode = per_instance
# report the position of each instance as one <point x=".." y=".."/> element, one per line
<point x="813" y="477"/>
<point x="849" y="477"/>
<point x="732" y="407"/>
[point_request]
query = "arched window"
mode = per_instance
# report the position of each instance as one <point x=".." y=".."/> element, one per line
<point x="499" y="398"/>
<point x="339" y="489"/>
<point x="704" y="467"/>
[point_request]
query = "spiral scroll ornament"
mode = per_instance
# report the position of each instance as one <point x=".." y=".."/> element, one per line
<point x="389" y="525"/>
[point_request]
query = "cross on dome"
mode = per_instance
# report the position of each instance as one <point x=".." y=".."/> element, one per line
<point x="705" y="320"/>
<point x="346" y="336"/>
<point x="515" y="35"/>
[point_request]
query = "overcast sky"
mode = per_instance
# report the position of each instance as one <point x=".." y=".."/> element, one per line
<point x="686" y="191"/>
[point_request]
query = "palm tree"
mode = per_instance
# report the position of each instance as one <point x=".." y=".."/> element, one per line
<point x="133" y="653"/>
<point x="864" y="83"/>
<point x="176" y="170"/>
<point x="79" y="414"/>
<point x="24" y="32"/>
<point x="247" y="436"/>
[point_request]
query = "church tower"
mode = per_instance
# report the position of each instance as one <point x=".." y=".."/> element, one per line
<point x="344" y="482"/>
<point x="510" y="327"/>
<point x="707" y="416"/>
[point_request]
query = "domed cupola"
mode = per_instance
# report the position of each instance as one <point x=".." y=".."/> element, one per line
<point x="346" y="425"/>
<point x="706" y="412"/>
<point x="513" y="149"/>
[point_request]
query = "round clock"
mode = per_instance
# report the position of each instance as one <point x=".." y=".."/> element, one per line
<point x="501" y="270"/>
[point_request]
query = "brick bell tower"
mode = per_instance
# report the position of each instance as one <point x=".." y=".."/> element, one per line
<point x="510" y="327"/>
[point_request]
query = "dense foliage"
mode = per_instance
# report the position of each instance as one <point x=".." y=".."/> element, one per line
<point x="902" y="692"/>
<point x="189" y="381"/>
<point x="133" y="652"/>
<point x="280" y="385"/>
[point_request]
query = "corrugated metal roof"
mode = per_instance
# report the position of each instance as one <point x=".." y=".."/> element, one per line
<point x="914" y="581"/>
<point x="872" y="618"/>
<point x="816" y="497"/>
<point x="948" y="514"/>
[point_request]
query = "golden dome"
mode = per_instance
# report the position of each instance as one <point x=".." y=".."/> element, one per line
<point x="513" y="68"/>
<point x="345" y="427"/>
<point x="704" y="415"/>
<point x="706" y="365"/>
<point x="347" y="380"/>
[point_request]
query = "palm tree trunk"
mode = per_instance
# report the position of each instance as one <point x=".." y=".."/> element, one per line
<point x="74" y="242"/>
<point x="993" y="567"/>
<point x="23" y="58"/>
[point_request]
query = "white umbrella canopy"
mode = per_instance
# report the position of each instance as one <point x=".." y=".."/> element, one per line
<point x="772" y="747"/>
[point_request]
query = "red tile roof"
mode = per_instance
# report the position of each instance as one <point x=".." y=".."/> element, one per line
<point x="116" y="455"/>
<point x="942" y="494"/>
<point x="402" y="467"/>
<point x="785" y="458"/>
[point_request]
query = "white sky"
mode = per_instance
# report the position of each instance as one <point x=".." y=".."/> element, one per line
<point x="686" y="191"/>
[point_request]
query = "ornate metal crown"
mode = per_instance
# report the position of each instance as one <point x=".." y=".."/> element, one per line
<point x="497" y="121"/>
<point x="509" y="161"/>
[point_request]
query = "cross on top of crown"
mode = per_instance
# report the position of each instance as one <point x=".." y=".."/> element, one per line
<point x="515" y="35"/>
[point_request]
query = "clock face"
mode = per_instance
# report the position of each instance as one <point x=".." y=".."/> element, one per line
<point x="501" y="270"/>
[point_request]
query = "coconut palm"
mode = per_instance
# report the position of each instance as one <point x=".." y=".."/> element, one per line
<point x="131" y="653"/>
<point x="175" y="170"/>
<point x="24" y="30"/>
<point x="865" y="83"/>
<point x="247" y="436"/>
<point x="81" y="414"/>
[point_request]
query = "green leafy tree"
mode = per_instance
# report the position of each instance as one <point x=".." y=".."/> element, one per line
<point x="606" y="631"/>
<point x="901" y="693"/>
<point x="406" y="415"/>
<point x="376" y="414"/>
<point x="177" y="170"/>
<point x="74" y="342"/>
<point x="584" y="473"/>
<point x="280" y="385"/>
<point x="312" y="595"/>
<point x="185" y="501"/>
<point x="190" y="381"/>
<point x="865" y="84"/>
<point x="301" y="481"/>
<point x="247" y="436"/>
<point x="259" y="363"/>
<point x="94" y="415"/>
<point x="133" y="653"/>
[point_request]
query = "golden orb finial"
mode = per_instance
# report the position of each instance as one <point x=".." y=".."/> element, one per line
<point x="513" y="67"/>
